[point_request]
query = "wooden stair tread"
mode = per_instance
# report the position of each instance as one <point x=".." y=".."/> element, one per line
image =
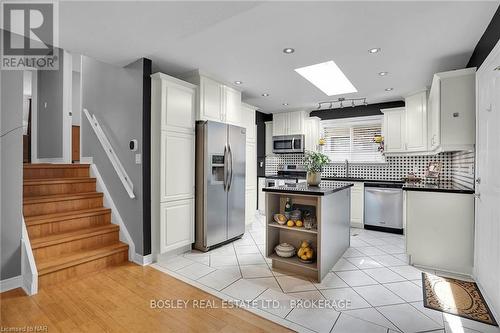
<point x="47" y="218"/>
<point x="61" y="197"/>
<point x="54" y="166"/>
<point x="55" y="264"/>
<point x="49" y="181"/>
<point x="68" y="236"/>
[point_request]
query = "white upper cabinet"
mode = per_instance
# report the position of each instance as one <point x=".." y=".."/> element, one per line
<point x="288" y="123"/>
<point x="452" y="104"/>
<point x="394" y="130"/>
<point x="177" y="108"/>
<point x="248" y="121"/>
<point x="211" y="100"/>
<point x="312" y="135"/>
<point x="280" y="124"/>
<point x="231" y="112"/>
<point x="416" y="122"/>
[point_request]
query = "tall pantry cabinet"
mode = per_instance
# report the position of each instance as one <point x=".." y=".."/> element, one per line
<point x="172" y="163"/>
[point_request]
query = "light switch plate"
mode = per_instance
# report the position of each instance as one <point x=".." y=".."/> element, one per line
<point x="138" y="159"/>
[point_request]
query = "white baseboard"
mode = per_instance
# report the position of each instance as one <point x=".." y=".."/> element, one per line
<point x="87" y="160"/>
<point x="143" y="260"/>
<point x="115" y="214"/>
<point x="28" y="267"/>
<point x="11" y="283"/>
<point x="56" y="160"/>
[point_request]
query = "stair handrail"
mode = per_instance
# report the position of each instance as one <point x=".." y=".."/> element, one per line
<point x="113" y="158"/>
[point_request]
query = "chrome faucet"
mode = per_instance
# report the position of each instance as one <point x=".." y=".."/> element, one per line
<point x="347" y="168"/>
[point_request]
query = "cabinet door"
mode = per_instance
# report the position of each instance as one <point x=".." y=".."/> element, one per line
<point x="178" y="108"/>
<point x="211" y="99"/>
<point x="357" y="203"/>
<point x="296" y="122"/>
<point x="416" y="122"/>
<point x="176" y="224"/>
<point x="251" y="165"/>
<point x="312" y="133"/>
<point x="248" y="121"/>
<point x="394" y="130"/>
<point x="434" y="104"/>
<point x="280" y="123"/>
<point x="269" y="138"/>
<point x="177" y="166"/>
<point x="261" y="195"/>
<point x="232" y="107"/>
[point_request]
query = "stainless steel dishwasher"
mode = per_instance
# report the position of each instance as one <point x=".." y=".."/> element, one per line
<point x="383" y="207"/>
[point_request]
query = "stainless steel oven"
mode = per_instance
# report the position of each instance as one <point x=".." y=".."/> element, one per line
<point x="283" y="144"/>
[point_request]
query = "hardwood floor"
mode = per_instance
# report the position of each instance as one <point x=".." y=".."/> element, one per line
<point x="117" y="299"/>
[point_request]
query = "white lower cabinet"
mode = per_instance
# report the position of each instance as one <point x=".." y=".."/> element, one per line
<point x="176" y="224"/>
<point x="357" y="204"/>
<point x="261" y="195"/>
<point x="440" y="230"/>
<point x="250" y="205"/>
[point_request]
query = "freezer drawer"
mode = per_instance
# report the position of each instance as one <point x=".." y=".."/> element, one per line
<point x="383" y="207"/>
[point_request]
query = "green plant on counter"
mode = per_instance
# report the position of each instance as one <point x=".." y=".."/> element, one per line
<point x="315" y="161"/>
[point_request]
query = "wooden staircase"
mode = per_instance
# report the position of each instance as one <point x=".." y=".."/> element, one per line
<point x="69" y="229"/>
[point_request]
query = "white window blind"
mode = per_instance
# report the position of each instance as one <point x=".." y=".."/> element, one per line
<point x="352" y="139"/>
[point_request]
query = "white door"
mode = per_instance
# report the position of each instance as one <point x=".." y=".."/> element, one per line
<point x="394" y="130"/>
<point x="251" y="165"/>
<point x="232" y="107"/>
<point x="296" y="123"/>
<point x="280" y="123"/>
<point x="487" y="231"/>
<point x="211" y="100"/>
<point x="176" y="166"/>
<point x="416" y="122"/>
<point x="176" y="224"/>
<point x="177" y="108"/>
<point x="434" y="114"/>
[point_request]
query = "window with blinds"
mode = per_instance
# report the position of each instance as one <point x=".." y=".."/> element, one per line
<point x="352" y="139"/>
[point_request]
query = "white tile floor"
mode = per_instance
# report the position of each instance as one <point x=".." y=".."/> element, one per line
<point x="383" y="291"/>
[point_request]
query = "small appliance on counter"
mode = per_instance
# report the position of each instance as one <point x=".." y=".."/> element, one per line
<point x="287" y="174"/>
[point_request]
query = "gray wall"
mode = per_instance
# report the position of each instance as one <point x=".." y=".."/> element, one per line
<point x="50" y="115"/>
<point x="114" y="95"/>
<point x="75" y="98"/>
<point x="11" y="151"/>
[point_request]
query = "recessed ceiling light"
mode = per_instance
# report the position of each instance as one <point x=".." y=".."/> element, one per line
<point x="265" y="94"/>
<point x="389" y="89"/>
<point x="238" y="82"/>
<point x="288" y="50"/>
<point x="374" y="50"/>
<point x="327" y="77"/>
<point x="383" y="73"/>
<point x="284" y="104"/>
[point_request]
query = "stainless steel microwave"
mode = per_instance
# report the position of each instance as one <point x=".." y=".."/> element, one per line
<point x="286" y="144"/>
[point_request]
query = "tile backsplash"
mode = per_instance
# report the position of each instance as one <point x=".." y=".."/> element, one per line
<point x="455" y="167"/>
<point x="462" y="168"/>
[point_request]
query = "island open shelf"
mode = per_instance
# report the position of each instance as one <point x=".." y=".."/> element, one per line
<point x="329" y="239"/>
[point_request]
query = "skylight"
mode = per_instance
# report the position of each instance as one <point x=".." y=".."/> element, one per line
<point x="327" y="77"/>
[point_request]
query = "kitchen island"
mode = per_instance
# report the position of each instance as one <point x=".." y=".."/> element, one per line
<point x="329" y="205"/>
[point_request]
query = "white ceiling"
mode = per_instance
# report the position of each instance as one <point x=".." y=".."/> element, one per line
<point x="244" y="41"/>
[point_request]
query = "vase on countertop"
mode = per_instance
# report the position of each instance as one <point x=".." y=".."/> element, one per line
<point x="313" y="178"/>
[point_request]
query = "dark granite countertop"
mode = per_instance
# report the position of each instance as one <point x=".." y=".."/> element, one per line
<point x="445" y="186"/>
<point x="325" y="188"/>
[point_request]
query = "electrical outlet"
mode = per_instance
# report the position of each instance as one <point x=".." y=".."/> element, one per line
<point x="415" y="169"/>
<point x="138" y="159"/>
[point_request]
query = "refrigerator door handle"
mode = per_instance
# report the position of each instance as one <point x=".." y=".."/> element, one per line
<point x="230" y="180"/>
<point x="226" y="155"/>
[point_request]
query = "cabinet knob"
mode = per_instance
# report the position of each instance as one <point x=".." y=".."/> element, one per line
<point x="478" y="180"/>
<point x="477" y="195"/>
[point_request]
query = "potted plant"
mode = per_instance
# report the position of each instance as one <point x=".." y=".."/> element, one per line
<point x="314" y="163"/>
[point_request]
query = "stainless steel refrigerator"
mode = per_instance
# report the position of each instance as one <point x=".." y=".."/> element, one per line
<point x="220" y="183"/>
